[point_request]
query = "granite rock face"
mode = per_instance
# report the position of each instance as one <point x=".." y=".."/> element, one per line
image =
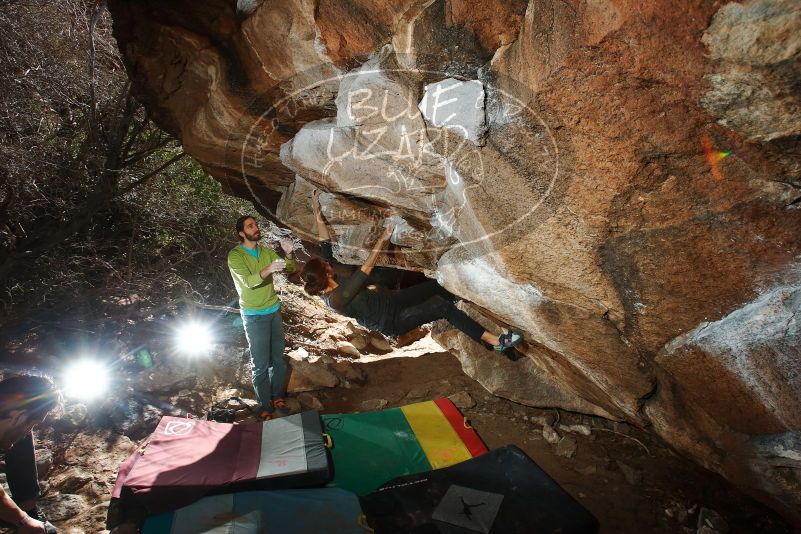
<point x="755" y="87"/>
<point x="619" y="181"/>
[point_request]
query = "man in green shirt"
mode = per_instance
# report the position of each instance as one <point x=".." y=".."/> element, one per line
<point x="252" y="266"/>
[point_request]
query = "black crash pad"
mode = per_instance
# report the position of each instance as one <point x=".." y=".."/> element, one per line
<point x="501" y="492"/>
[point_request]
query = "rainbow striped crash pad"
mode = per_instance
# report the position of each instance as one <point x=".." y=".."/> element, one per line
<point x="372" y="448"/>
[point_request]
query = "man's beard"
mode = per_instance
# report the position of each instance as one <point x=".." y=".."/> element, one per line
<point x="253" y="237"/>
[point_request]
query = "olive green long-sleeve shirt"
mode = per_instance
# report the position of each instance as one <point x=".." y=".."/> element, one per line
<point x="254" y="293"/>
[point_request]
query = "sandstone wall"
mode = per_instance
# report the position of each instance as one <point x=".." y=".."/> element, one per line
<point x="619" y="180"/>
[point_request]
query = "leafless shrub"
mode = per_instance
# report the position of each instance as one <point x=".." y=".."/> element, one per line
<point x="96" y="202"/>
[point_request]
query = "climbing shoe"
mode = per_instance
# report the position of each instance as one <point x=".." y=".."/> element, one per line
<point x="264" y="415"/>
<point x="280" y="409"/>
<point x="507" y="340"/>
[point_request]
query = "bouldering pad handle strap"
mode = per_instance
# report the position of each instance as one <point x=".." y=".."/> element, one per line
<point x="362" y="521"/>
<point x="329" y="443"/>
<point x="467" y="422"/>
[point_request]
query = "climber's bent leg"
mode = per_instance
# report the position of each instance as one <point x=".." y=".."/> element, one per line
<point x="432" y="309"/>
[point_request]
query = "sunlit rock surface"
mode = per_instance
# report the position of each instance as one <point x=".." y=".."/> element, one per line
<point x="755" y="86"/>
<point x="620" y="181"/>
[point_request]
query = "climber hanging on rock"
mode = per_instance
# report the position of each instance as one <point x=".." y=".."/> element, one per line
<point x="390" y="312"/>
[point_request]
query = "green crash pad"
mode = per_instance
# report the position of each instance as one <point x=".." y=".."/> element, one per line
<point x="371" y="448"/>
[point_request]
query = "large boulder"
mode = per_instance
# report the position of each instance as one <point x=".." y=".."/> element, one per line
<point x="618" y="180"/>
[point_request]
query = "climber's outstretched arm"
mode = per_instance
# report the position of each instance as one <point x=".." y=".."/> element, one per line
<point x="368" y="265"/>
<point x="322" y="228"/>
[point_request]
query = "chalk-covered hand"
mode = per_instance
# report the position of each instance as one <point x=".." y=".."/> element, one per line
<point x="287" y="245"/>
<point x="275" y="267"/>
<point x="387" y="233"/>
<point x="315" y="200"/>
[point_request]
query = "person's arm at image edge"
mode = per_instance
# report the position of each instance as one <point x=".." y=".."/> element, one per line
<point x="12" y="514"/>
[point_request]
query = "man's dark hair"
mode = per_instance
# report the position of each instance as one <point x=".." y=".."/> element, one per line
<point x="315" y="276"/>
<point x="35" y="395"/>
<point x="240" y="224"/>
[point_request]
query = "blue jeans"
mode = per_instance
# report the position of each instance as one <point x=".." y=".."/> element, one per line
<point x="265" y="335"/>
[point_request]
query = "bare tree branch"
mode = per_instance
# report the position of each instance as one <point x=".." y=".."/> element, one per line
<point x="98" y="10"/>
<point x="151" y="174"/>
